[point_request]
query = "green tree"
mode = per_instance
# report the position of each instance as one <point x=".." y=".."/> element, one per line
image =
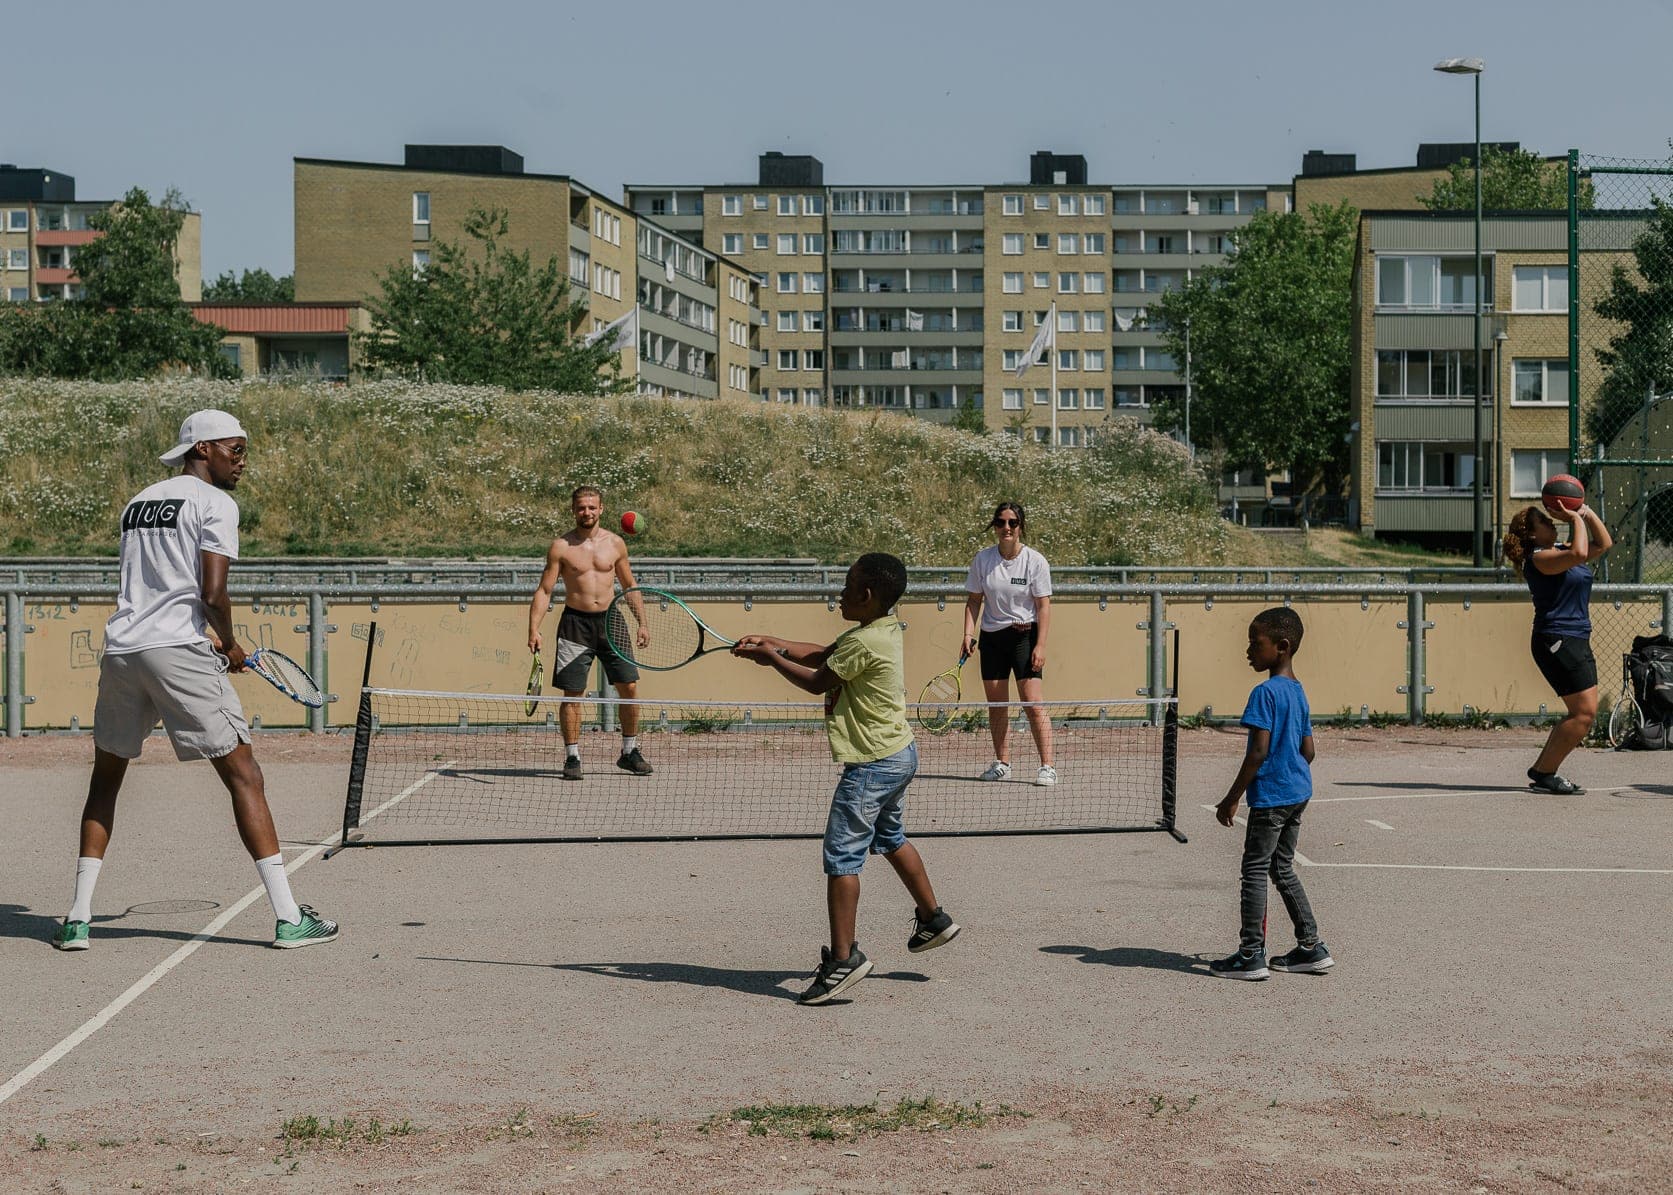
<point x="1269" y="346"/>
<point x="1639" y="358"/>
<point x="129" y="321"/>
<point x="254" y="286"/>
<point x="968" y="417"/>
<point x="482" y="314"/>
<point x="1516" y="180"/>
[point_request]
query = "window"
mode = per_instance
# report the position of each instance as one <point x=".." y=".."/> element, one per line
<point x="1094" y="205"/>
<point x="1042" y="397"/>
<point x="1093" y="321"/>
<point x="1013" y="205"/>
<point x="1011" y="399"/>
<point x="1068" y="321"/>
<point x="1529" y="468"/>
<point x="18" y="294"/>
<point x="760" y="240"/>
<point x="1428" y="374"/>
<point x="787" y="396"/>
<point x="1012" y="283"/>
<point x="1539" y="288"/>
<point x="580" y="266"/>
<point x="813" y="242"/>
<point x="813" y="358"/>
<point x="1068" y="284"/>
<point x="1418" y="466"/>
<point x="813" y="284"/>
<point x="731" y="205"/>
<point x="17" y="220"/>
<point x="1011" y="243"/>
<point x="659" y="206"/>
<point x="420" y="262"/>
<point x="787" y="321"/>
<point x="1042" y="203"/>
<point x="732" y="242"/>
<point x="787" y="284"/>
<point x="1093" y="284"/>
<point x="787" y="205"/>
<point x="811" y="398"/>
<point x="1042" y="241"/>
<point x="813" y="205"/>
<point x="1010" y="359"/>
<point x="1431" y="282"/>
<point x="1159" y="359"/>
<point x="421" y="207"/>
<point x="787" y="358"/>
<point x="1093" y="242"/>
<point x="1042" y="280"/>
<point x="17" y="259"/>
<point x="786" y="244"/>
<point x="1128" y="396"/>
<point x="1068" y="400"/>
<point x="758" y="202"/>
<point x="1068" y="358"/>
<point x="232" y="355"/>
<point x="1042" y="435"/>
<point x="1010" y="321"/>
<point x="1068" y="205"/>
<point x="813" y="321"/>
<point x="1093" y="400"/>
<point x="1094" y="359"/>
<point x="1543" y="382"/>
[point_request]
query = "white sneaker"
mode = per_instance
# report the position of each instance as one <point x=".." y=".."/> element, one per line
<point x="997" y="770"/>
<point x="1047" y="775"/>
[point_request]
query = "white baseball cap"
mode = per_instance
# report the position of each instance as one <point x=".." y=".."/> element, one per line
<point x="203" y="425"/>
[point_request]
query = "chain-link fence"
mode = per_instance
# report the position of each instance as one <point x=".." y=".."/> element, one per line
<point x="1620" y="247"/>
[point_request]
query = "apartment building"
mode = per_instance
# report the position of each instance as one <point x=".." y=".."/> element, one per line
<point x="697" y="315"/>
<point x="1414" y="368"/>
<point x="924" y="298"/>
<point x="42" y="224"/>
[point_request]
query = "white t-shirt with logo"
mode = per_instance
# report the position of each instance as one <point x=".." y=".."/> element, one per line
<point x="1008" y="587"/>
<point x="164" y="528"/>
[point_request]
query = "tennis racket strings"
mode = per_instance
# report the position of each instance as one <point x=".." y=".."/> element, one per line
<point x="286" y="675"/>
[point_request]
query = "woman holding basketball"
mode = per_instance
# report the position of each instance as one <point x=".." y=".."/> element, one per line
<point x="1009" y="601"/>
<point x="1559" y="579"/>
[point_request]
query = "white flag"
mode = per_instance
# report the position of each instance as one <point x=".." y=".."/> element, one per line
<point x="617" y="333"/>
<point x="914" y="320"/>
<point x="1045" y="338"/>
<point x="898" y="359"/>
<point x="1123" y="323"/>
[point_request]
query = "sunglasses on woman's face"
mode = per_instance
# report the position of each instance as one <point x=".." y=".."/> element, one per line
<point x="1007" y="523"/>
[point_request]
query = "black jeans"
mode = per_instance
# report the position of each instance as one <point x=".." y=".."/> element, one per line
<point x="1269" y="850"/>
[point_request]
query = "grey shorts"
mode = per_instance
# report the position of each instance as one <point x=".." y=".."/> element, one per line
<point x="185" y="685"/>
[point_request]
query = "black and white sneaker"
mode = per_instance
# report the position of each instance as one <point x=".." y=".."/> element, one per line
<point x="572" y="768"/>
<point x="835" y="976"/>
<point x="1241" y="966"/>
<point x="1307" y="959"/>
<point x="632" y="761"/>
<point x="929" y="932"/>
<point x="1550" y="782"/>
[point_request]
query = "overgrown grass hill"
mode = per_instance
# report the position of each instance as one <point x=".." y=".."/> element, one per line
<point x="391" y="469"/>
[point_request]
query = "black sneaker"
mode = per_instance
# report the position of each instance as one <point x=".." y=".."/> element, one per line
<point x="572" y="767"/>
<point x="1310" y="960"/>
<point x="1550" y="782"/>
<point x="1241" y="966"/>
<point x="835" y="976"/>
<point x="929" y="932"/>
<point x="632" y="761"/>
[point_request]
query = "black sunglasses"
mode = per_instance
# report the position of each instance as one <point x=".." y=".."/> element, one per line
<point x="1006" y="523"/>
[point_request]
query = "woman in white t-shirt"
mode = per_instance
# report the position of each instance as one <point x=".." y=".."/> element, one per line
<point x="1010" y="604"/>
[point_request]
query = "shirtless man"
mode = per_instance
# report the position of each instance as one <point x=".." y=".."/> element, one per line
<point x="590" y="560"/>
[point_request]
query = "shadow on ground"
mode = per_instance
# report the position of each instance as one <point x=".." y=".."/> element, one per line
<point x="750" y="983"/>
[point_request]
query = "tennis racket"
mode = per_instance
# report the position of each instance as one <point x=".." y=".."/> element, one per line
<point x="938" y="703"/>
<point x="285" y="675"/>
<point x="675" y="635"/>
<point x="1626" y="719"/>
<point x="533" y="689"/>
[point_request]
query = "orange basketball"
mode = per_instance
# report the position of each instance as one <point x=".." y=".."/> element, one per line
<point x="1564" y="491"/>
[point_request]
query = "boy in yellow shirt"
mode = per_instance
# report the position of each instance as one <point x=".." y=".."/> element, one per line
<point x="862" y="678"/>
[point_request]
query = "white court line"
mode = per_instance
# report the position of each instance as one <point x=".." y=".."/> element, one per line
<point x="1371" y="821"/>
<point x="1641" y="871"/>
<point x="140" y="986"/>
<point x="1479" y="792"/>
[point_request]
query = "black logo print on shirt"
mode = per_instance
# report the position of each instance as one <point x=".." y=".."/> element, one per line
<point x="158" y="514"/>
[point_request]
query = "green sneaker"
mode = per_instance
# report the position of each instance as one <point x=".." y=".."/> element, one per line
<point x="310" y="931"/>
<point x="72" y="935"/>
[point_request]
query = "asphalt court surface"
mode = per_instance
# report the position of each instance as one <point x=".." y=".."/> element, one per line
<point x="659" y="979"/>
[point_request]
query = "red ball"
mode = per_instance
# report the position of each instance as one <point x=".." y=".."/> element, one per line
<point x="1564" y="491"/>
<point x="632" y="522"/>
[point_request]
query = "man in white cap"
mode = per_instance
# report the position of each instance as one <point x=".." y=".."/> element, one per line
<point x="160" y="661"/>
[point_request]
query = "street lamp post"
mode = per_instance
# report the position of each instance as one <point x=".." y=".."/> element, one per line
<point x="1474" y="66"/>
<point x="1499" y="461"/>
<point x="1189" y="447"/>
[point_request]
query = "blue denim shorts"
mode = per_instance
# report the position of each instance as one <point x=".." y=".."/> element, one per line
<point x="866" y="811"/>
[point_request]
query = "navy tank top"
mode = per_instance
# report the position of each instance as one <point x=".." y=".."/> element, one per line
<point x="1562" y="601"/>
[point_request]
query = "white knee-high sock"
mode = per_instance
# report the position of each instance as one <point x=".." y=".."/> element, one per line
<point x="273" y="877"/>
<point x="87" y="874"/>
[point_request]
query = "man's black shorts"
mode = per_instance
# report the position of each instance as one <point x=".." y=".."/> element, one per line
<point x="1009" y="650"/>
<point x="1567" y="663"/>
<point x="580" y="639"/>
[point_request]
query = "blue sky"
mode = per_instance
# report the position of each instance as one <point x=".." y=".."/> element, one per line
<point x="216" y="98"/>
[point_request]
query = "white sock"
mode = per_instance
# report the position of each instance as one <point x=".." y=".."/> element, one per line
<point x="572" y="750"/>
<point x="629" y="744"/>
<point x="272" y="873"/>
<point x="87" y="874"/>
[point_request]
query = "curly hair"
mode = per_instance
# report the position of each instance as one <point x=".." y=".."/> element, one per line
<point x="884" y="575"/>
<point x="1519" y="536"/>
<point x="1280" y="622"/>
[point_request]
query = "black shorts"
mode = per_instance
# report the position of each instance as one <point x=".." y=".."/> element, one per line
<point x="1009" y="650"/>
<point x="1566" y="663"/>
<point x="580" y="639"/>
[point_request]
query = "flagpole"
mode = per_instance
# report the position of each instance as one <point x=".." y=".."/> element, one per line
<point x="1051" y="339"/>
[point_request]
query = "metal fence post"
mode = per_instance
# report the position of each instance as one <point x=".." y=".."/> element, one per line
<point x="1414" y="688"/>
<point x="1667" y="612"/>
<point x="1156" y="628"/>
<point x="316" y="655"/>
<point x="14" y="665"/>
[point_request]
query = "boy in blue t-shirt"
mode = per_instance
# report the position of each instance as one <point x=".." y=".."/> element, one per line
<point x="1277" y="773"/>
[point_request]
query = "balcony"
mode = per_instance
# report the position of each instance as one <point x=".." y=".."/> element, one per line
<point x="59" y="237"/>
<point x="47" y="276"/>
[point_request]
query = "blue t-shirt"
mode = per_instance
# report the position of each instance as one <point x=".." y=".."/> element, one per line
<point x="1278" y="706"/>
<point x="1562" y="602"/>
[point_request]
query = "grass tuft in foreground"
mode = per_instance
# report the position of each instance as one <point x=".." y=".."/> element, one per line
<point x="826" y="1122"/>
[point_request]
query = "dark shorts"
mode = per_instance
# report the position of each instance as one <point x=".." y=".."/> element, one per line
<point x="1008" y="650"/>
<point x="1566" y="663"/>
<point x="580" y="639"/>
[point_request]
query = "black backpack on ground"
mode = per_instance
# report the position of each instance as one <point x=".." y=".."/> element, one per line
<point x="1649" y="670"/>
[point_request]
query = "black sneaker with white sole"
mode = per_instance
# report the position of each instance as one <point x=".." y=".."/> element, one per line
<point x="632" y="761"/>
<point x="1550" y="782"/>
<point x="1241" y="966"/>
<point x="1305" y="959"/>
<point x="572" y="768"/>
<point x="835" y="976"/>
<point x="929" y="932"/>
